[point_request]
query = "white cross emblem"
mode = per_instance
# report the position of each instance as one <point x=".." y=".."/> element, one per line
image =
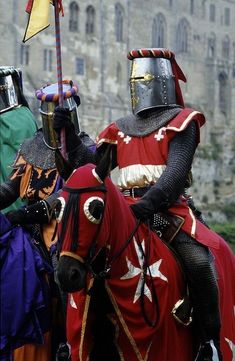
<point x="127" y="139"/>
<point x="121" y="134"/>
<point x="159" y="134"/>
<point x="72" y="302"/>
<point x="152" y="270"/>
<point x="231" y="345"/>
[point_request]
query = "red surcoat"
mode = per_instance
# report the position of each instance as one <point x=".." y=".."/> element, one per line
<point x="142" y="160"/>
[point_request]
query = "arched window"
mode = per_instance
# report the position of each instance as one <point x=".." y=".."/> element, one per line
<point x="73" y="16"/>
<point x="90" y="20"/>
<point x="212" y="12"/>
<point x="119" y="73"/>
<point x="191" y="7"/>
<point x="233" y="59"/>
<point x="47" y="59"/>
<point x="24" y="54"/>
<point x="119" y="19"/>
<point x="211" y="50"/>
<point x="227" y="16"/>
<point x="159" y="31"/>
<point x="182" y="36"/>
<point x="203" y="9"/>
<point x="223" y="92"/>
<point x="226" y="47"/>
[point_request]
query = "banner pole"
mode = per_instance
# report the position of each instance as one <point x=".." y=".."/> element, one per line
<point x="59" y="71"/>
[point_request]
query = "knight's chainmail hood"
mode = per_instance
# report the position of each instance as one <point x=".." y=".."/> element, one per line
<point x="146" y="122"/>
<point x="35" y="152"/>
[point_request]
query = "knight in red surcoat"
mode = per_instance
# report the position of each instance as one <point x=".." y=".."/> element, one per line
<point x="154" y="149"/>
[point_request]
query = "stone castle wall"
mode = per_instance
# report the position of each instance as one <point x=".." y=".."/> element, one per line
<point x="104" y="85"/>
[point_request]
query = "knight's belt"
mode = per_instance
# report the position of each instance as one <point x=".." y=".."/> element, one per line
<point x="135" y="192"/>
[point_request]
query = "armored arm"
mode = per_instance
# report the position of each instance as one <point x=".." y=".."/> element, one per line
<point x="9" y="192"/>
<point x="78" y="147"/>
<point x="81" y="149"/>
<point x="172" y="182"/>
<point x="40" y="212"/>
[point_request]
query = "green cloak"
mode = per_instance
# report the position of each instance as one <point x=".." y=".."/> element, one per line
<point x="15" y="126"/>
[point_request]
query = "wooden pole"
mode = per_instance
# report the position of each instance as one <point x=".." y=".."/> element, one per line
<point x="59" y="71"/>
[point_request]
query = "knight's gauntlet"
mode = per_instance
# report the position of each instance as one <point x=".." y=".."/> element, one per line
<point x="39" y="212"/>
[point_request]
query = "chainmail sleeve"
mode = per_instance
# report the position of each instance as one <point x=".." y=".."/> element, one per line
<point x="180" y="158"/>
<point x="9" y="192"/>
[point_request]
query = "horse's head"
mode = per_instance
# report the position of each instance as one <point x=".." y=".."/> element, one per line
<point x="88" y="203"/>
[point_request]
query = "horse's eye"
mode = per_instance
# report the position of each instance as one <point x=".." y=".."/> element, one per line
<point x="58" y="207"/>
<point x="93" y="209"/>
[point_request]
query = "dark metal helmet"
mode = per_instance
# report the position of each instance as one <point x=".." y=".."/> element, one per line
<point x="154" y="79"/>
<point x="11" y="92"/>
<point x="49" y="97"/>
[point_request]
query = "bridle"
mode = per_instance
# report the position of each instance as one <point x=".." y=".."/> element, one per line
<point x="77" y="191"/>
<point x="104" y="274"/>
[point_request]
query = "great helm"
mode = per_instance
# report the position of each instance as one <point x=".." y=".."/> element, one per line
<point x="154" y="79"/>
<point x="11" y="92"/>
<point x="49" y="97"/>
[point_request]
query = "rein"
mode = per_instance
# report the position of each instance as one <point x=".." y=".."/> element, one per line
<point x="103" y="274"/>
<point x="101" y="188"/>
<point x="146" y="270"/>
<point x="72" y="206"/>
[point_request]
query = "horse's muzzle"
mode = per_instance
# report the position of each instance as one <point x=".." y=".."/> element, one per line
<point x="71" y="274"/>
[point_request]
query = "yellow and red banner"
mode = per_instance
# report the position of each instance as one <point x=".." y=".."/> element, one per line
<point x="38" y="11"/>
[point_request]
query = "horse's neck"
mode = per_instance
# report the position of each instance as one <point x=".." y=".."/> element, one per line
<point x="119" y="221"/>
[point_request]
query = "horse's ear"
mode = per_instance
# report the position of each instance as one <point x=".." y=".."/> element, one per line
<point x="63" y="166"/>
<point x="105" y="164"/>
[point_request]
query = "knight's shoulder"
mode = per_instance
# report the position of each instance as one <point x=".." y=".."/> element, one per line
<point x="111" y="128"/>
<point x="28" y="142"/>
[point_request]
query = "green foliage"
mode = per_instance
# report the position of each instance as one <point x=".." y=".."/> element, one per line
<point x="229" y="211"/>
<point x="227" y="231"/>
<point x="212" y="151"/>
<point x="204" y="152"/>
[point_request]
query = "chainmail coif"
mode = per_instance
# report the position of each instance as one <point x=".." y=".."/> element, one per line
<point x="147" y="121"/>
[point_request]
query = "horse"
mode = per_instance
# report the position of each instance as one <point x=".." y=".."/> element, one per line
<point x="105" y="250"/>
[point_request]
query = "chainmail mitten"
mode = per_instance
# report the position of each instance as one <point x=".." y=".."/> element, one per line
<point x="62" y="120"/>
<point x="81" y="155"/>
<point x="148" y="204"/>
<point x="9" y="192"/>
